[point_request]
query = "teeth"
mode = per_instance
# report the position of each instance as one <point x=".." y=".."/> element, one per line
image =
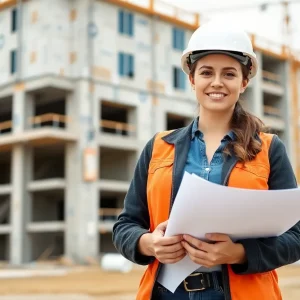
<point x="216" y="95"/>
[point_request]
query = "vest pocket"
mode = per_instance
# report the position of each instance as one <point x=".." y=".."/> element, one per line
<point x="255" y="169"/>
<point x="158" y="164"/>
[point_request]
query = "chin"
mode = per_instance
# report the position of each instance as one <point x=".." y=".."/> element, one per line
<point x="218" y="108"/>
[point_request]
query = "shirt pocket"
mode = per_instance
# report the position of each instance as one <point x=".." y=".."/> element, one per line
<point x="159" y="164"/>
<point x="258" y="170"/>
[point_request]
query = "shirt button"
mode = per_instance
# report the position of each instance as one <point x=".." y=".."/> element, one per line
<point x="207" y="169"/>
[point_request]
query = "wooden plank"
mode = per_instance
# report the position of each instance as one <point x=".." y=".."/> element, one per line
<point x="271" y="76"/>
<point x="272" y="110"/>
<point x="117" y="125"/>
<point x="49" y="117"/>
<point x="5" y="125"/>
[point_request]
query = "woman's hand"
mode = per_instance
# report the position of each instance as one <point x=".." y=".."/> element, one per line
<point x="222" y="250"/>
<point x="168" y="250"/>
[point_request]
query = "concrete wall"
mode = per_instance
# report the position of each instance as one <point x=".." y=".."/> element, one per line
<point x="10" y="43"/>
<point x="42" y="241"/>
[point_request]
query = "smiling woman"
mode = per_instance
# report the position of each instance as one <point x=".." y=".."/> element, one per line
<point x="219" y="80"/>
<point x="225" y="145"/>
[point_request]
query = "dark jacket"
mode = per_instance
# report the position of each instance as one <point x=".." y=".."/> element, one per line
<point x="263" y="254"/>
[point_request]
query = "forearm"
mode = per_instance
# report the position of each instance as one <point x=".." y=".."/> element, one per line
<point x="126" y="239"/>
<point x="267" y="254"/>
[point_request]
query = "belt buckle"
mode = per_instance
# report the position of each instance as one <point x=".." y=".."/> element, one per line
<point x="194" y="290"/>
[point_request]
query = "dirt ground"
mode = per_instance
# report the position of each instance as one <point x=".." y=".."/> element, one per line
<point x="90" y="283"/>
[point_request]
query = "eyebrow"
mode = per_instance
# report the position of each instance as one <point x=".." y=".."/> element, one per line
<point x="211" y="68"/>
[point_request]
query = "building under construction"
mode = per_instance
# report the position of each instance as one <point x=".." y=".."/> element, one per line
<point x="84" y="84"/>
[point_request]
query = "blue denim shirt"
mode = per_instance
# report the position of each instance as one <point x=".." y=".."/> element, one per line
<point x="197" y="163"/>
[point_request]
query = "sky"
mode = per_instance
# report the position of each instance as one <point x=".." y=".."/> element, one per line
<point x="267" y="23"/>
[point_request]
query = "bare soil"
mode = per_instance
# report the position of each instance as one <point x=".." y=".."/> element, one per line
<point x="90" y="283"/>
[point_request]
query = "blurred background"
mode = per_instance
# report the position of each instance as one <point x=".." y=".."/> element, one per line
<point x="84" y="84"/>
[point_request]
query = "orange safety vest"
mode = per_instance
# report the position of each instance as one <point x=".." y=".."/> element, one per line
<point x="251" y="175"/>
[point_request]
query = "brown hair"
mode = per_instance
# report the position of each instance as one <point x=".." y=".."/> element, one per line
<point x="245" y="126"/>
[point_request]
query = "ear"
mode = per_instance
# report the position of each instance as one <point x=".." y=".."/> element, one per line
<point x="192" y="80"/>
<point x="245" y="84"/>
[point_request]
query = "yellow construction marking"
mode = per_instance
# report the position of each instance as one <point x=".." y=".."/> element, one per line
<point x="19" y="86"/>
<point x="34" y="17"/>
<point x="73" y="15"/>
<point x="33" y="57"/>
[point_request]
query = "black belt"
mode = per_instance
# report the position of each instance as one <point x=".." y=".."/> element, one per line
<point x="202" y="281"/>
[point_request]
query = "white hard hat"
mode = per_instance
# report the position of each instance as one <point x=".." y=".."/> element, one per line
<point x="213" y="38"/>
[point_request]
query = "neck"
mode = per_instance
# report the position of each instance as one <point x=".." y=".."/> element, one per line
<point x="214" y="123"/>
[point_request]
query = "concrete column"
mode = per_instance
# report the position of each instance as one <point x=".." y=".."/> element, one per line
<point x="20" y="204"/>
<point x="82" y="196"/>
<point x="22" y="110"/>
<point x="132" y="120"/>
<point x="18" y="109"/>
<point x="72" y="179"/>
<point x="161" y="118"/>
<point x="287" y="108"/>
<point x="21" y="174"/>
<point x="258" y="101"/>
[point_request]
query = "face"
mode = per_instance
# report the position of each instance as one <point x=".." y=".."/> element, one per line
<point x="218" y="82"/>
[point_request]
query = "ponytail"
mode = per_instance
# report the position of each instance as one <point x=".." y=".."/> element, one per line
<point x="245" y="126"/>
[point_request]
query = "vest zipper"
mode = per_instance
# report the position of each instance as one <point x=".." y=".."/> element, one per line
<point x="225" y="275"/>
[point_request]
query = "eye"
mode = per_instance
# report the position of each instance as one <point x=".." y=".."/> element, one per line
<point x="229" y="74"/>
<point x="206" y="73"/>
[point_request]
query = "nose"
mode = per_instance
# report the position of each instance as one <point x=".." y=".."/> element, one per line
<point x="217" y="82"/>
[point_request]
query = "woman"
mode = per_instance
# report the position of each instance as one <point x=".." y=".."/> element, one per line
<point x="224" y="145"/>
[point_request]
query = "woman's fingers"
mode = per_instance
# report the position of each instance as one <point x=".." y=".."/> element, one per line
<point x="193" y="252"/>
<point x="170" y="249"/>
<point x="167" y="241"/>
<point x="169" y="258"/>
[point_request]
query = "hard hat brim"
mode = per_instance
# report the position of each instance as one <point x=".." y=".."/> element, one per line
<point x="240" y="57"/>
<point x="243" y="59"/>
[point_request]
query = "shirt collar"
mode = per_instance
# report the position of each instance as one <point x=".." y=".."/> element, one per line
<point x="196" y="132"/>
